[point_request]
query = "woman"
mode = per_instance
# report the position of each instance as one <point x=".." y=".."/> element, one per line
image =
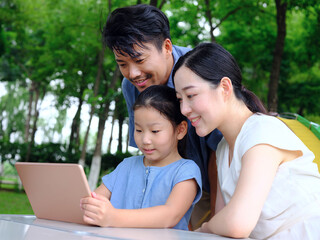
<point x="268" y="186"/>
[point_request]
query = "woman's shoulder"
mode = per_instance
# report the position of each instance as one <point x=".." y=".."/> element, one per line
<point x="264" y="129"/>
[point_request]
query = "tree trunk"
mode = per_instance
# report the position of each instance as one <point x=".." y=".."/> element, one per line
<point x="92" y="110"/>
<point x="96" y="159"/>
<point x="209" y="17"/>
<point x="27" y="127"/>
<point x="34" y="127"/>
<point x="111" y="134"/>
<point x="127" y="141"/>
<point x="75" y="128"/>
<point x="154" y="3"/>
<point x="277" y="56"/>
<point x="121" y="120"/>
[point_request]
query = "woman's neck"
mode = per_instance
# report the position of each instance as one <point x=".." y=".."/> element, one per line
<point x="235" y="118"/>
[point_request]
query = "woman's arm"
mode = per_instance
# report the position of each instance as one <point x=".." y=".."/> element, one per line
<point x="99" y="211"/>
<point x="220" y="204"/>
<point x="239" y="217"/>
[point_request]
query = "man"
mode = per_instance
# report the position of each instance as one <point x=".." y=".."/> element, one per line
<point x="140" y="38"/>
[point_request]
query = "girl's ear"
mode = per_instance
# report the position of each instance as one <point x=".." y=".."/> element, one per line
<point x="182" y="129"/>
<point x="226" y="86"/>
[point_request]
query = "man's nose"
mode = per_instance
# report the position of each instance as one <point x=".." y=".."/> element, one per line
<point x="134" y="72"/>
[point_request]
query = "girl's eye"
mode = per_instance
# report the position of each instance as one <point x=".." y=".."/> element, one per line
<point x="137" y="130"/>
<point x="191" y="95"/>
<point x="155" y="131"/>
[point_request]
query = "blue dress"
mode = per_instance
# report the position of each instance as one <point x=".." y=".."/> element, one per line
<point x="134" y="186"/>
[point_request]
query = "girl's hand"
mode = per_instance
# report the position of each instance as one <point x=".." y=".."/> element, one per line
<point x="97" y="210"/>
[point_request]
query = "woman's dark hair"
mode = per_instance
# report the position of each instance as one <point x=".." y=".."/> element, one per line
<point x="212" y="62"/>
<point x="163" y="99"/>
<point x="135" y="25"/>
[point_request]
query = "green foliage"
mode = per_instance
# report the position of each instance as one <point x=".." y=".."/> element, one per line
<point x="54" y="153"/>
<point x="57" y="44"/>
<point x="14" y="203"/>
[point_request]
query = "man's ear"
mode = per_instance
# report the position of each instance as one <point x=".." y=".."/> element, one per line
<point x="226" y="87"/>
<point x="167" y="46"/>
<point x="182" y="129"/>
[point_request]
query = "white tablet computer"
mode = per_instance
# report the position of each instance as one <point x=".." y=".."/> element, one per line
<point x="54" y="189"/>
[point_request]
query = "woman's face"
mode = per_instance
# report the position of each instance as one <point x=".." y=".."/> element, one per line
<point x="200" y="102"/>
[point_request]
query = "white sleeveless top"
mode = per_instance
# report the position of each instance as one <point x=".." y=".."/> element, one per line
<point x="292" y="208"/>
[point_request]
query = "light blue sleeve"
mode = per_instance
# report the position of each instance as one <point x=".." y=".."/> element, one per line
<point x="190" y="170"/>
<point x="110" y="179"/>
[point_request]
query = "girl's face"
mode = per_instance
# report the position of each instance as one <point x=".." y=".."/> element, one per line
<point x="156" y="137"/>
<point x="200" y="102"/>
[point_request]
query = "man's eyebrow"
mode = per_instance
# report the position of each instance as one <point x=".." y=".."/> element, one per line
<point x="119" y="60"/>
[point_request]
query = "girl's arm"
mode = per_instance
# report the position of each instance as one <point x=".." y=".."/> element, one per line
<point x="239" y="217"/>
<point x="99" y="211"/>
<point x="103" y="191"/>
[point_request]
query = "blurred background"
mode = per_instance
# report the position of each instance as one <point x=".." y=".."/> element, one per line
<point x="60" y="96"/>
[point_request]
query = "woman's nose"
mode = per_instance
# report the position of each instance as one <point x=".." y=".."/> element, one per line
<point x="185" y="108"/>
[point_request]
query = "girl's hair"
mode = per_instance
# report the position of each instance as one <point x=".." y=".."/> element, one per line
<point x="212" y="62"/>
<point x="163" y="99"/>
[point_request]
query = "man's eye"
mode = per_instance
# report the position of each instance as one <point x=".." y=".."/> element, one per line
<point x="139" y="60"/>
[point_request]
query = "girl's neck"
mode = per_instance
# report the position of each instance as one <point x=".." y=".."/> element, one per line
<point x="162" y="162"/>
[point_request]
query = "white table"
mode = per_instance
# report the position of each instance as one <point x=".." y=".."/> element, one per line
<point x="16" y="227"/>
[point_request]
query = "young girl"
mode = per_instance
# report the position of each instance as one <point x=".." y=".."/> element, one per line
<point x="268" y="185"/>
<point x="159" y="189"/>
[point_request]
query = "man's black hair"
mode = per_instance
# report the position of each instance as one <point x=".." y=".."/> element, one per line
<point x="134" y="26"/>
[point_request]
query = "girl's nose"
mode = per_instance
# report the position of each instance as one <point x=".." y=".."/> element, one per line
<point x="146" y="139"/>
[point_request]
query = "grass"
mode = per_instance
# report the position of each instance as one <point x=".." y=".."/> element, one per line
<point x="13" y="202"/>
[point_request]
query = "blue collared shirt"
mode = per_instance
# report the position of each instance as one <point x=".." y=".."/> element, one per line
<point x="197" y="147"/>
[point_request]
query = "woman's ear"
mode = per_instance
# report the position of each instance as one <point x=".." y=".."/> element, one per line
<point x="227" y="88"/>
<point x="182" y="129"/>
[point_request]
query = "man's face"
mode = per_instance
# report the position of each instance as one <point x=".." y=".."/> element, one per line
<point x="151" y="67"/>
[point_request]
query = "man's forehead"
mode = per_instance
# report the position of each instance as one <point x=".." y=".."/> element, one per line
<point x="134" y="52"/>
